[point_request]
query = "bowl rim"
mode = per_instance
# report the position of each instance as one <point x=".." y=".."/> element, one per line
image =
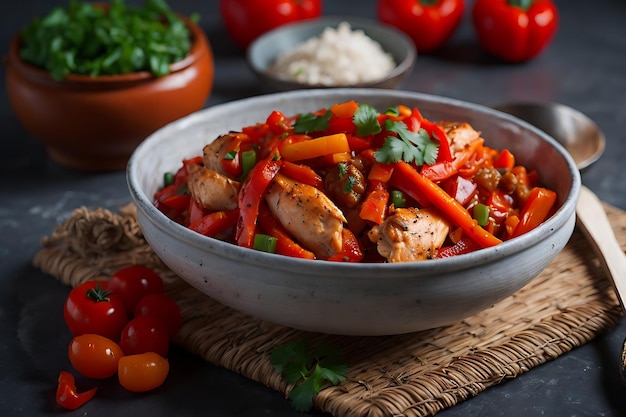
<point x="401" y="68"/>
<point x="315" y="267"/>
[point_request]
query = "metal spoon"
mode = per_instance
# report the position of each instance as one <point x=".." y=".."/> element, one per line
<point x="585" y="142"/>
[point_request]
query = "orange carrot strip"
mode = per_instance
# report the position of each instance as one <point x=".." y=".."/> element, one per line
<point x="380" y="172"/>
<point x="449" y="206"/>
<point x="536" y="209"/>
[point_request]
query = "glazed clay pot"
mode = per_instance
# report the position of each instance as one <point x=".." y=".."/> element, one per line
<point x="94" y="123"/>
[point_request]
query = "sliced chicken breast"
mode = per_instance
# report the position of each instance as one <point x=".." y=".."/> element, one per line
<point x="211" y="189"/>
<point x="410" y="234"/>
<point x="308" y="214"/>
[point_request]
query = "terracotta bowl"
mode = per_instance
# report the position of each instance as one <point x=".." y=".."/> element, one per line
<point x="95" y="123"/>
<point x="352" y="298"/>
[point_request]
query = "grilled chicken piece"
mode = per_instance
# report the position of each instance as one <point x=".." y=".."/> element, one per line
<point x="211" y="189"/>
<point x="410" y="234"/>
<point x="459" y="135"/>
<point x="214" y="152"/>
<point x="308" y="214"/>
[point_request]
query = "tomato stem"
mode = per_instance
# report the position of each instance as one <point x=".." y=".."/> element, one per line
<point x="98" y="294"/>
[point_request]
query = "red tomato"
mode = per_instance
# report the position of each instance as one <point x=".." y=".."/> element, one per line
<point x="162" y="307"/>
<point x="428" y="23"/>
<point x="145" y="334"/>
<point x="92" y="308"/>
<point x="248" y="19"/>
<point x="94" y="356"/>
<point x="133" y="283"/>
<point x="142" y="372"/>
<point x="67" y="396"/>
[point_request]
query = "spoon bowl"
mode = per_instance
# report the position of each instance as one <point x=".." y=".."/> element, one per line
<point x="580" y="135"/>
<point x="584" y="140"/>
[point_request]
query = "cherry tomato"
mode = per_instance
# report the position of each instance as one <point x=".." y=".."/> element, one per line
<point x="248" y="19"/>
<point x="94" y="356"/>
<point x="92" y="308"/>
<point x="142" y="372"/>
<point x="133" y="282"/>
<point x="145" y="334"/>
<point x="67" y="396"/>
<point x="163" y="307"/>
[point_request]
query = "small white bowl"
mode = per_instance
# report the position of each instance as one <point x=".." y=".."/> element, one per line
<point x="343" y="298"/>
<point x="263" y="52"/>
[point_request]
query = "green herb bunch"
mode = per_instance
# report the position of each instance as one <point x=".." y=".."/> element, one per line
<point x="310" y="368"/>
<point x="84" y="38"/>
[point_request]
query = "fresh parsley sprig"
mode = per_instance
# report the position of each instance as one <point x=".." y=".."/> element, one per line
<point x="411" y="147"/>
<point x="309" y="369"/>
<point x="308" y="122"/>
<point x="366" y="120"/>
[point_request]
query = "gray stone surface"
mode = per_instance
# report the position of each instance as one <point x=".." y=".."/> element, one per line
<point x="585" y="67"/>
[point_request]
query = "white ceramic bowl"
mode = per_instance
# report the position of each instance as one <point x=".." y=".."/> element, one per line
<point x="264" y="50"/>
<point x="341" y="298"/>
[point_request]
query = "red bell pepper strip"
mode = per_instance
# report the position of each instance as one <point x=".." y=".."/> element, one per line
<point x="285" y="244"/>
<point x="440" y="171"/>
<point x="448" y="205"/>
<point x="460" y="188"/>
<point x="195" y="211"/>
<point x="374" y="206"/>
<point x="179" y="202"/>
<point x="505" y="160"/>
<point x="67" y="396"/>
<point x="464" y="245"/>
<point x="350" y="250"/>
<point x="515" y="30"/>
<point x="250" y="196"/>
<point x="216" y="222"/>
<point x="537" y="208"/>
<point x="303" y="173"/>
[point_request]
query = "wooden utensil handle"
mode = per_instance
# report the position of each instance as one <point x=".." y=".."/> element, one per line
<point x="593" y="222"/>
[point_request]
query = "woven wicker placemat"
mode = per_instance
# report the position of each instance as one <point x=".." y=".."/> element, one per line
<point x="415" y="374"/>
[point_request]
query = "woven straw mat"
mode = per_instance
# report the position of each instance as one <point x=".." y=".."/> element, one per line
<point x="416" y="374"/>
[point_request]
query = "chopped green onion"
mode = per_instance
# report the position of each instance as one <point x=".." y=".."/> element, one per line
<point x="265" y="243"/>
<point x="168" y="179"/>
<point x="481" y="214"/>
<point x="230" y="155"/>
<point x="397" y="198"/>
<point x="248" y="161"/>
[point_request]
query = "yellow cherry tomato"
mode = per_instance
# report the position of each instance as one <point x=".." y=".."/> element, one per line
<point x="94" y="356"/>
<point x="142" y="372"/>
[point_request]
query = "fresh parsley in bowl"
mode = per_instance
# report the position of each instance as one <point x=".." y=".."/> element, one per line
<point x="93" y="39"/>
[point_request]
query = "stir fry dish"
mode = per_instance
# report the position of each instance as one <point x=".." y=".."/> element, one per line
<point x="350" y="183"/>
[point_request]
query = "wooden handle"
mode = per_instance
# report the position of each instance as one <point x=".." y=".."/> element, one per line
<point x="593" y="222"/>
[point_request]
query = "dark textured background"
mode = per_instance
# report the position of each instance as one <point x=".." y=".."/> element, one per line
<point x="584" y="67"/>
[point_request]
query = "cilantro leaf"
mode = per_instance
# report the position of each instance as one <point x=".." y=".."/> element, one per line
<point x="309" y="369"/>
<point x="366" y="120"/>
<point x="308" y="122"/>
<point x="409" y="146"/>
